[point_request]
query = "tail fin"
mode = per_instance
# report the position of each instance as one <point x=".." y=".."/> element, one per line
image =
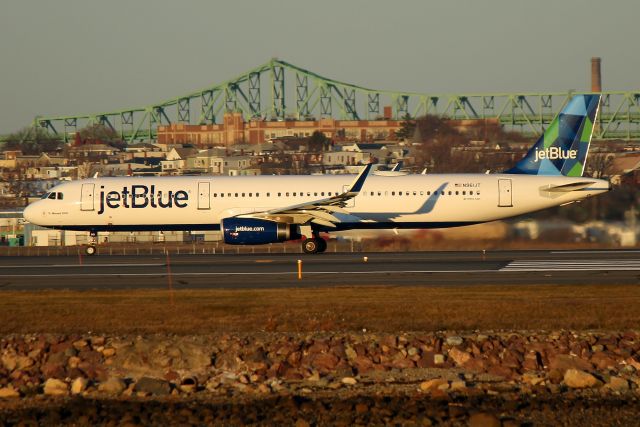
<point x="563" y="148"/>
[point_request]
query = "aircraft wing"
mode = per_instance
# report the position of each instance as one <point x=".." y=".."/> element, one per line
<point x="319" y="211"/>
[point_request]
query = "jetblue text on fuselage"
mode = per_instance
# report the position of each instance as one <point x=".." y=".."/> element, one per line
<point x="555" y="153"/>
<point x="142" y="196"/>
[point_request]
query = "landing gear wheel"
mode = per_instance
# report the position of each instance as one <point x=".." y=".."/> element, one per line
<point x="310" y="246"/>
<point x="90" y="250"/>
<point x="322" y="244"/>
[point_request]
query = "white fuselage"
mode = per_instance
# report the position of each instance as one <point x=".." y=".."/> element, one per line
<point x="201" y="202"/>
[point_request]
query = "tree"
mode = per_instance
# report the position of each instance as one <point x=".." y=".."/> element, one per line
<point x="99" y="133"/>
<point x="317" y="142"/>
<point x="407" y="128"/>
<point x="33" y="141"/>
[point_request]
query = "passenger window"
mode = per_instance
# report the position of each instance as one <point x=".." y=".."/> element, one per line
<point x="60" y="196"/>
<point x="221" y="194"/>
<point x="52" y="196"/>
<point x="215" y="194"/>
<point x="372" y="193"/>
<point x="236" y="194"/>
<point x="464" y="193"/>
<point x="287" y="194"/>
<point x="379" y="193"/>
<point x="393" y="193"/>
<point x="449" y="192"/>
<point x="457" y="193"/>
<point x="399" y="193"/>
<point x="422" y="193"/>
<point x="257" y="194"/>
<point x="279" y="194"/>
<point x="322" y="194"/>
<point x="243" y="194"/>
<point x="477" y="193"/>
<point x="228" y="194"/>
<point x="294" y="194"/>
<point x="471" y="192"/>
<point x="308" y="194"/>
<point x="428" y="193"/>
<point x="315" y="194"/>
<point x="250" y="194"/>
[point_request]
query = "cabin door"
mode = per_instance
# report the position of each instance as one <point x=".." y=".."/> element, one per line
<point x="505" y="196"/>
<point x="86" y="197"/>
<point x="203" y="195"/>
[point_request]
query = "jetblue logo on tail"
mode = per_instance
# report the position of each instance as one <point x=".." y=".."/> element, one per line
<point x="555" y="153"/>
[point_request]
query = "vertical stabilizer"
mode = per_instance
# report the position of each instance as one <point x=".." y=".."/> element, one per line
<point x="563" y="148"/>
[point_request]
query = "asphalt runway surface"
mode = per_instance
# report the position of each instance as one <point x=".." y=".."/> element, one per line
<point x="330" y="269"/>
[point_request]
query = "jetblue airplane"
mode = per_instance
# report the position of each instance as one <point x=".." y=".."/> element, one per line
<point x="269" y="209"/>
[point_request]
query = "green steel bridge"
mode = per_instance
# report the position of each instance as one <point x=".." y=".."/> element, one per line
<point x="278" y="90"/>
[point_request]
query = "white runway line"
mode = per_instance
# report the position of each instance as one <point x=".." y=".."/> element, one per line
<point x="573" y="265"/>
<point x="80" y="265"/>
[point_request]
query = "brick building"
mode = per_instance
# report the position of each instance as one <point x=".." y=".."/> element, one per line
<point x="235" y="130"/>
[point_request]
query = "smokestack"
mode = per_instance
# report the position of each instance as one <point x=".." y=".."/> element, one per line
<point x="596" y="76"/>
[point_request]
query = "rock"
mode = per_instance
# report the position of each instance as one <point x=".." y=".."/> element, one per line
<point x="8" y="393"/>
<point x="454" y="340"/>
<point x="55" y="387"/>
<point x="109" y="352"/>
<point x="438" y="359"/>
<point x="349" y="381"/>
<point x="458" y="385"/>
<point x="10" y="361"/>
<point x="112" y="386"/>
<point x="153" y="386"/>
<point x="459" y="357"/>
<point x="579" y="379"/>
<point x="79" y="385"/>
<point x="363" y="364"/>
<point x="432" y="384"/>
<point x="483" y="419"/>
<point x="351" y="353"/>
<point x="618" y="384"/>
<point x="301" y="423"/>
<point x="562" y="362"/>
<point x="325" y="362"/>
<point x="531" y="379"/>
<point x="80" y="344"/>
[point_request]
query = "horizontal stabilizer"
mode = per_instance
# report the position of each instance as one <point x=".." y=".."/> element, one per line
<point x="565" y="188"/>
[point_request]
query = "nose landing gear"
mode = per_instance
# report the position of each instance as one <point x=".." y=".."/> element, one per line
<point x="93" y="240"/>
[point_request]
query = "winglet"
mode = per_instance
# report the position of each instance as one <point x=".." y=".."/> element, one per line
<point x="397" y="166"/>
<point x="359" y="181"/>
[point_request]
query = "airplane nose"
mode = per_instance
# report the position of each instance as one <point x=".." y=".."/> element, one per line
<point x="29" y="213"/>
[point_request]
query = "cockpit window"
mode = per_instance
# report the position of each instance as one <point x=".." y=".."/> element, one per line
<point x="52" y="196"/>
<point x="60" y="196"/>
<point x="45" y="195"/>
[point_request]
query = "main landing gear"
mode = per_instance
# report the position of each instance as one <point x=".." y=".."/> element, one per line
<point x="93" y="240"/>
<point x="314" y="245"/>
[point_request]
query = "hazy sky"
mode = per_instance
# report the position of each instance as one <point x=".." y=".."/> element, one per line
<point x="79" y="56"/>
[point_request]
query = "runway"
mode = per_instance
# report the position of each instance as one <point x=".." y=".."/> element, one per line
<point x="335" y="269"/>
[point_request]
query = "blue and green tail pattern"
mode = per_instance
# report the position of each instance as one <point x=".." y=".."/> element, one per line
<point x="563" y="148"/>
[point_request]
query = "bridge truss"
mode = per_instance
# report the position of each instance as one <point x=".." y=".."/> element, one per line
<point x="278" y="90"/>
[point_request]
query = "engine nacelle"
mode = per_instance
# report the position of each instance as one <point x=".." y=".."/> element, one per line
<point x="251" y="231"/>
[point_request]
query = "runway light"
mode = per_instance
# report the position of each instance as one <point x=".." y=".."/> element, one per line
<point x="299" y="269"/>
<point x="365" y="259"/>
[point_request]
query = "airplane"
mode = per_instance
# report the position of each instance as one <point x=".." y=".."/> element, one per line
<point x="269" y="209"/>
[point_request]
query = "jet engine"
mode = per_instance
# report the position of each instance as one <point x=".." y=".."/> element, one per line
<point x="252" y="231"/>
